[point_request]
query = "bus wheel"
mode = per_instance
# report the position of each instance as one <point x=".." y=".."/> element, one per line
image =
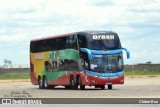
<point x="82" y="87"/>
<point x="45" y="83"/>
<point x="72" y="82"/>
<point x="109" y="87"/>
<point x="46" y="86"/>
<point x="76" y="83"/>
<point x="102" y="87"/>
<point x="40" y="82"/>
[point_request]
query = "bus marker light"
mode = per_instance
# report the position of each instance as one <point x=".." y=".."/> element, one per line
<point x="93" y="81"/>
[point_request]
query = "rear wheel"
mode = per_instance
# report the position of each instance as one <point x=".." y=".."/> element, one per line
<point x="46" y="86"/>
<point x="45" y="82"/>
<point x="76" y="83"/>
<point x="102" y="87"/>
<point x="109" y="87"/>
<point x="72" y="82"/>
<point x="40" y="83"/>
<point x="82" y="87"/>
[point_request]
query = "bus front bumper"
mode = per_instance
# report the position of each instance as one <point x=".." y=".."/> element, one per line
<point x="93" y="80"/>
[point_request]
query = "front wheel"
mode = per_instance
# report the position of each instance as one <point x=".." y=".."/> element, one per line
<point x="109" y="87"/>
<point x="72" y="82"/>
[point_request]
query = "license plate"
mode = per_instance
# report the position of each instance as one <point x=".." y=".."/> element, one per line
<point x="108" y="83"/>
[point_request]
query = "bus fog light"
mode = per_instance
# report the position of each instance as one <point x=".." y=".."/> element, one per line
<point x="93" y="81"/>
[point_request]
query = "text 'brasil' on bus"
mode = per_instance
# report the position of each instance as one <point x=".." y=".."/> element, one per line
<point x="79" y="59"/>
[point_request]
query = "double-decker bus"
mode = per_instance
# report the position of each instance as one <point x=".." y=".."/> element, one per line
<point x="79" y="59"/>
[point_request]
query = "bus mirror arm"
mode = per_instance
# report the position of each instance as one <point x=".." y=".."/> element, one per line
<point x="117" y="51"/>
<point x="127" y="52"/>
<point x="88" y="52"/>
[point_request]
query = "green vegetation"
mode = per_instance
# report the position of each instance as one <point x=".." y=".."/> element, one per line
<point x="142" y="73"/>
<point x="14" y="75"/>
<point x="25" y="74"/>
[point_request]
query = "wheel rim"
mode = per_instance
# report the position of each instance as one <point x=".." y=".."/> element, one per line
<point x="45" y="83"/>
<point x="41" y="82"/>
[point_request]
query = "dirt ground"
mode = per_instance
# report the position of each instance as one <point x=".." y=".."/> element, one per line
<point x="133" y="88"/>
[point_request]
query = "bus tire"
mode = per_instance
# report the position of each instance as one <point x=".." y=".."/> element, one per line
<point x="82" y="87"/>
<point x="77" y="82"/>
<point x="72" y="82"/>
<point x="40" y="83"/>
<point x="46" y="86"/>
<point x="102" y="87"/>
<point x="109" y="87"/>
<point x="45" y="83"/>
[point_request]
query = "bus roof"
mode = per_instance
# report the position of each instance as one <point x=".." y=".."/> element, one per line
<point x="49" y="37"/>
<point x="67" y="34"/>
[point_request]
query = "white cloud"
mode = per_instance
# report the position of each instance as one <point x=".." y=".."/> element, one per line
<point x="13" y="38"/>
<point x="20" y="5"/>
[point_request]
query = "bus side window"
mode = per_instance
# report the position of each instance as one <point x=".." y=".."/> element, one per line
<point x="82" y="40"/>
<point x="48" y="66"/>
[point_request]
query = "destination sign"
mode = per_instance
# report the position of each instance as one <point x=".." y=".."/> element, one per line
<point x="103" y="37"/>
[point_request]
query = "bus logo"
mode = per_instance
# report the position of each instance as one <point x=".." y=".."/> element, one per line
<point x="103" y="37"/>
<point x="6" y="101"/>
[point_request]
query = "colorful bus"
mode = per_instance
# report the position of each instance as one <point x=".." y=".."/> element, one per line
<point x="76" y="60"/>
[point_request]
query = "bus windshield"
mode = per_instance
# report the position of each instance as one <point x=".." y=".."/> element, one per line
<point x="107" y="63"/>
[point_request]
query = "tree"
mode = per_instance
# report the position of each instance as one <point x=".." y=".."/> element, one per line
<point x="149" y="62"/>
<point x="7" y="63"/>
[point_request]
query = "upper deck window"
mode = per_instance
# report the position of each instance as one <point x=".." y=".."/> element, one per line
<point x="103" y="41"/>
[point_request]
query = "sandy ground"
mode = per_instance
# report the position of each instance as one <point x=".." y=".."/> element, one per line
<point x="133" y="88"/>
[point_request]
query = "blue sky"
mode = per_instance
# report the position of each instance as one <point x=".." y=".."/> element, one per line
<point x="136" y="21"/>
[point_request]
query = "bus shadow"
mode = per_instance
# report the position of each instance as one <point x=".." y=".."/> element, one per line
<point x="87" y="89"/>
